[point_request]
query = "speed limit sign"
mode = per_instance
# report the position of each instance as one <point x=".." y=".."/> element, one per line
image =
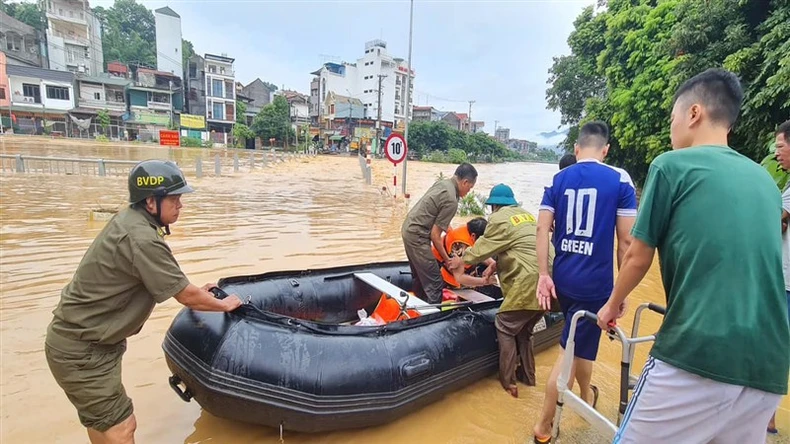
<point x="395" y="148"/>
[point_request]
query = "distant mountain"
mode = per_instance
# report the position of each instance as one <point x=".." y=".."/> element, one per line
<point x="552" y="134"/>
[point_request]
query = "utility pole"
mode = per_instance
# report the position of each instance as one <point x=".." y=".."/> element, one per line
<point x="496" y="122"/>
<point x="408" y="96"/>
<point x="470" y="116"/>
<point x="378" y="125"/>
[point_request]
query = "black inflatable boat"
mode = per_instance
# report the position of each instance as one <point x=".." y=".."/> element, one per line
<point x="287" y="357"/>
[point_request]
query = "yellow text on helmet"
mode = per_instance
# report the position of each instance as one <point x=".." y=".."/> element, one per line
<point x="150" y="181"/>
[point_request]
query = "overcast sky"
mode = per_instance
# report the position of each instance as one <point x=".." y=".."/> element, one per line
<point x="494" y="52"/>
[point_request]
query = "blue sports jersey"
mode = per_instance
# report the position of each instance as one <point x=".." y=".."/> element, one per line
<point x="586" y="199"/>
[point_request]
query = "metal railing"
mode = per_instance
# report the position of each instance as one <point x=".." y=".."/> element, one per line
<point x="24" y="164"/>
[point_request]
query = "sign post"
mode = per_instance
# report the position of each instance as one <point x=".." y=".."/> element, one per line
<point x="395" y="150"/>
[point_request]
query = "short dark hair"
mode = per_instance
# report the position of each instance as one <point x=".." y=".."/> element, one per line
<point x="567" y="160"/>
<point x="784" y="129"/>
<point x="477" y="226"/>
<point x="718" y="90"/>
<point x="466" y="171"/>
<point x="593" y="135"/>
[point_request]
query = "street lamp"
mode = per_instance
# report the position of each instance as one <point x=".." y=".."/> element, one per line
<point x="408" y="96"/>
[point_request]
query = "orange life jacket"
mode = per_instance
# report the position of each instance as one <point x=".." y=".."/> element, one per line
<point x="460" y="234"/>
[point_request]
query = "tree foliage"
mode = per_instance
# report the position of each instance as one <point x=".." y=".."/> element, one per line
<point x="129" y="34"/>
<point x="274" y="121"/>
<point x="438" y="142"/>
<point x="28" y="13"/>
<point x="628" y="59"/>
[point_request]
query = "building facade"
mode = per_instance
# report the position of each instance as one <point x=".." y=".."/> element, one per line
<point x="96" y="94"/>
<point x="220" y="99"/>
<point x="154" y="102"/>
<point x="502" y="134"/>
<point x="39" y="99"/>
<point x="426" y="114"/>
<point x="376" y="74"/>
<point x="73" y="37"/>
<point x="21" y="43"/>
<point x="168" y="41"/>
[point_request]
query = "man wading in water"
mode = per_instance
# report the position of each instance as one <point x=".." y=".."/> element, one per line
<point x="425" y="224"/>
<point x="719" y="366"/>
<point x="126" y="271"/>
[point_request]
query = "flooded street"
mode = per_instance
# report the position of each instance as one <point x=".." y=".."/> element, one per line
<point x="305" y="213"/>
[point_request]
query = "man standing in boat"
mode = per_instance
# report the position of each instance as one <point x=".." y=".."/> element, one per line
<point x="720" y="362"/>
<point x="510" y="236"/>
<point x="127" y="270"/>
<point x="426" y="222"/>
<point x="588" y="203"/>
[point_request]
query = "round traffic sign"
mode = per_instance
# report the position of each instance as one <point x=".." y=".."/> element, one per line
<point x="395" y="148"/>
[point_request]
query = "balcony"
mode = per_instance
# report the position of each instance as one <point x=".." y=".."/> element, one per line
<point x="161" y="106"/>
<point x="67" y="15"/>
<point x="105" y="104"/>
<point x="25" y="100"/>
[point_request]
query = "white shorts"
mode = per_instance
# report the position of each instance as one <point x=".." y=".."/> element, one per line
<point x="671" y="405"/>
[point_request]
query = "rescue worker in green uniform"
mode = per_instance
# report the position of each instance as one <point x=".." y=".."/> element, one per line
<point x="127" y="270"/>
<point x="510" y="236"/>
<point x="424" y="225"/>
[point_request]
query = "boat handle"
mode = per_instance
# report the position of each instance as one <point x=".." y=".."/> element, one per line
<point x="294" y="283"/>
<point x="186" y="395"/>
<point x="416" y="367"/>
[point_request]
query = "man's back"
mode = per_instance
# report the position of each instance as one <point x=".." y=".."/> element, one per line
<point x="713" y="215"/>
<point x="586" y="199"/>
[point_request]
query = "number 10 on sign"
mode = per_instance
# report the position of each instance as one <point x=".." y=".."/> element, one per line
<point x="395" y="149"/>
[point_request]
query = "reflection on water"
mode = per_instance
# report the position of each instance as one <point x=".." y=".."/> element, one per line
<point x="306" y="213"/>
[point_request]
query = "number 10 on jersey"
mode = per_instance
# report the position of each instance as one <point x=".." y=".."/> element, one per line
<point x="581" y="208"/>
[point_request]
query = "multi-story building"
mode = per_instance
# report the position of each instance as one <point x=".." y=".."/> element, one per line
<point x="522" y="146"/>
<point x="40" y="99"/>
<point x="95" y="94"/>
<point x="375" y="70"/>
<point x="21" y="43"/>
<point x="211" y="92"/>
<point x="502" y="134"/>
<point x="154" y="102"/>
<point x="168" y="41"/>
<point x="259" y="92"/>
<point x="426" y="114"/>
<point x="299" y="105"/>
<point x="73" y="37"/>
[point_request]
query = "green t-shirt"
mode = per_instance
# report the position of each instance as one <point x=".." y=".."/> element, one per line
<point x="714" y="216"/>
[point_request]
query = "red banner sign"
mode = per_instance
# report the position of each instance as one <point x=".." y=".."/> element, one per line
<point x="169" y="138"/>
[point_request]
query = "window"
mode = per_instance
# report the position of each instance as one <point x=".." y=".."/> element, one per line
<point x="97" y="96"/>
<point x="119" y="96"/>
<point x="32" y="91"/>
<point x="216" y="88"/>
<point x="222" y="70"/>
<point x="218" y="110"/>
<point x="13" y="42"/>
<point x="57" y="92"/>
<point x="193" y="70"/>
<point x="212" y="69"/>
<point x="2" y="93"/>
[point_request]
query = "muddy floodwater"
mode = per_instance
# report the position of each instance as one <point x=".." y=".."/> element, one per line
<point x="311" y="212"/>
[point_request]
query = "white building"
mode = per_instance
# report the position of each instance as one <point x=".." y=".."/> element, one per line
<point x="168" y="42"/>
<point x="360" y="80"/>
<point x="220" y="95"/>
<point x="40" y="98"/>
<point x="73" y="37"/>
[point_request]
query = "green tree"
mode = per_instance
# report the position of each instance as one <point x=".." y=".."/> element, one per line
<point x="438" y="142"/>
<point x="28" y="13"/>
<point x="128" y="32"/>
<point x="627" y="62"/>
<point x="187" y="51"/>
<point x="274" y="121"/>
<point x="103" y="118"/>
